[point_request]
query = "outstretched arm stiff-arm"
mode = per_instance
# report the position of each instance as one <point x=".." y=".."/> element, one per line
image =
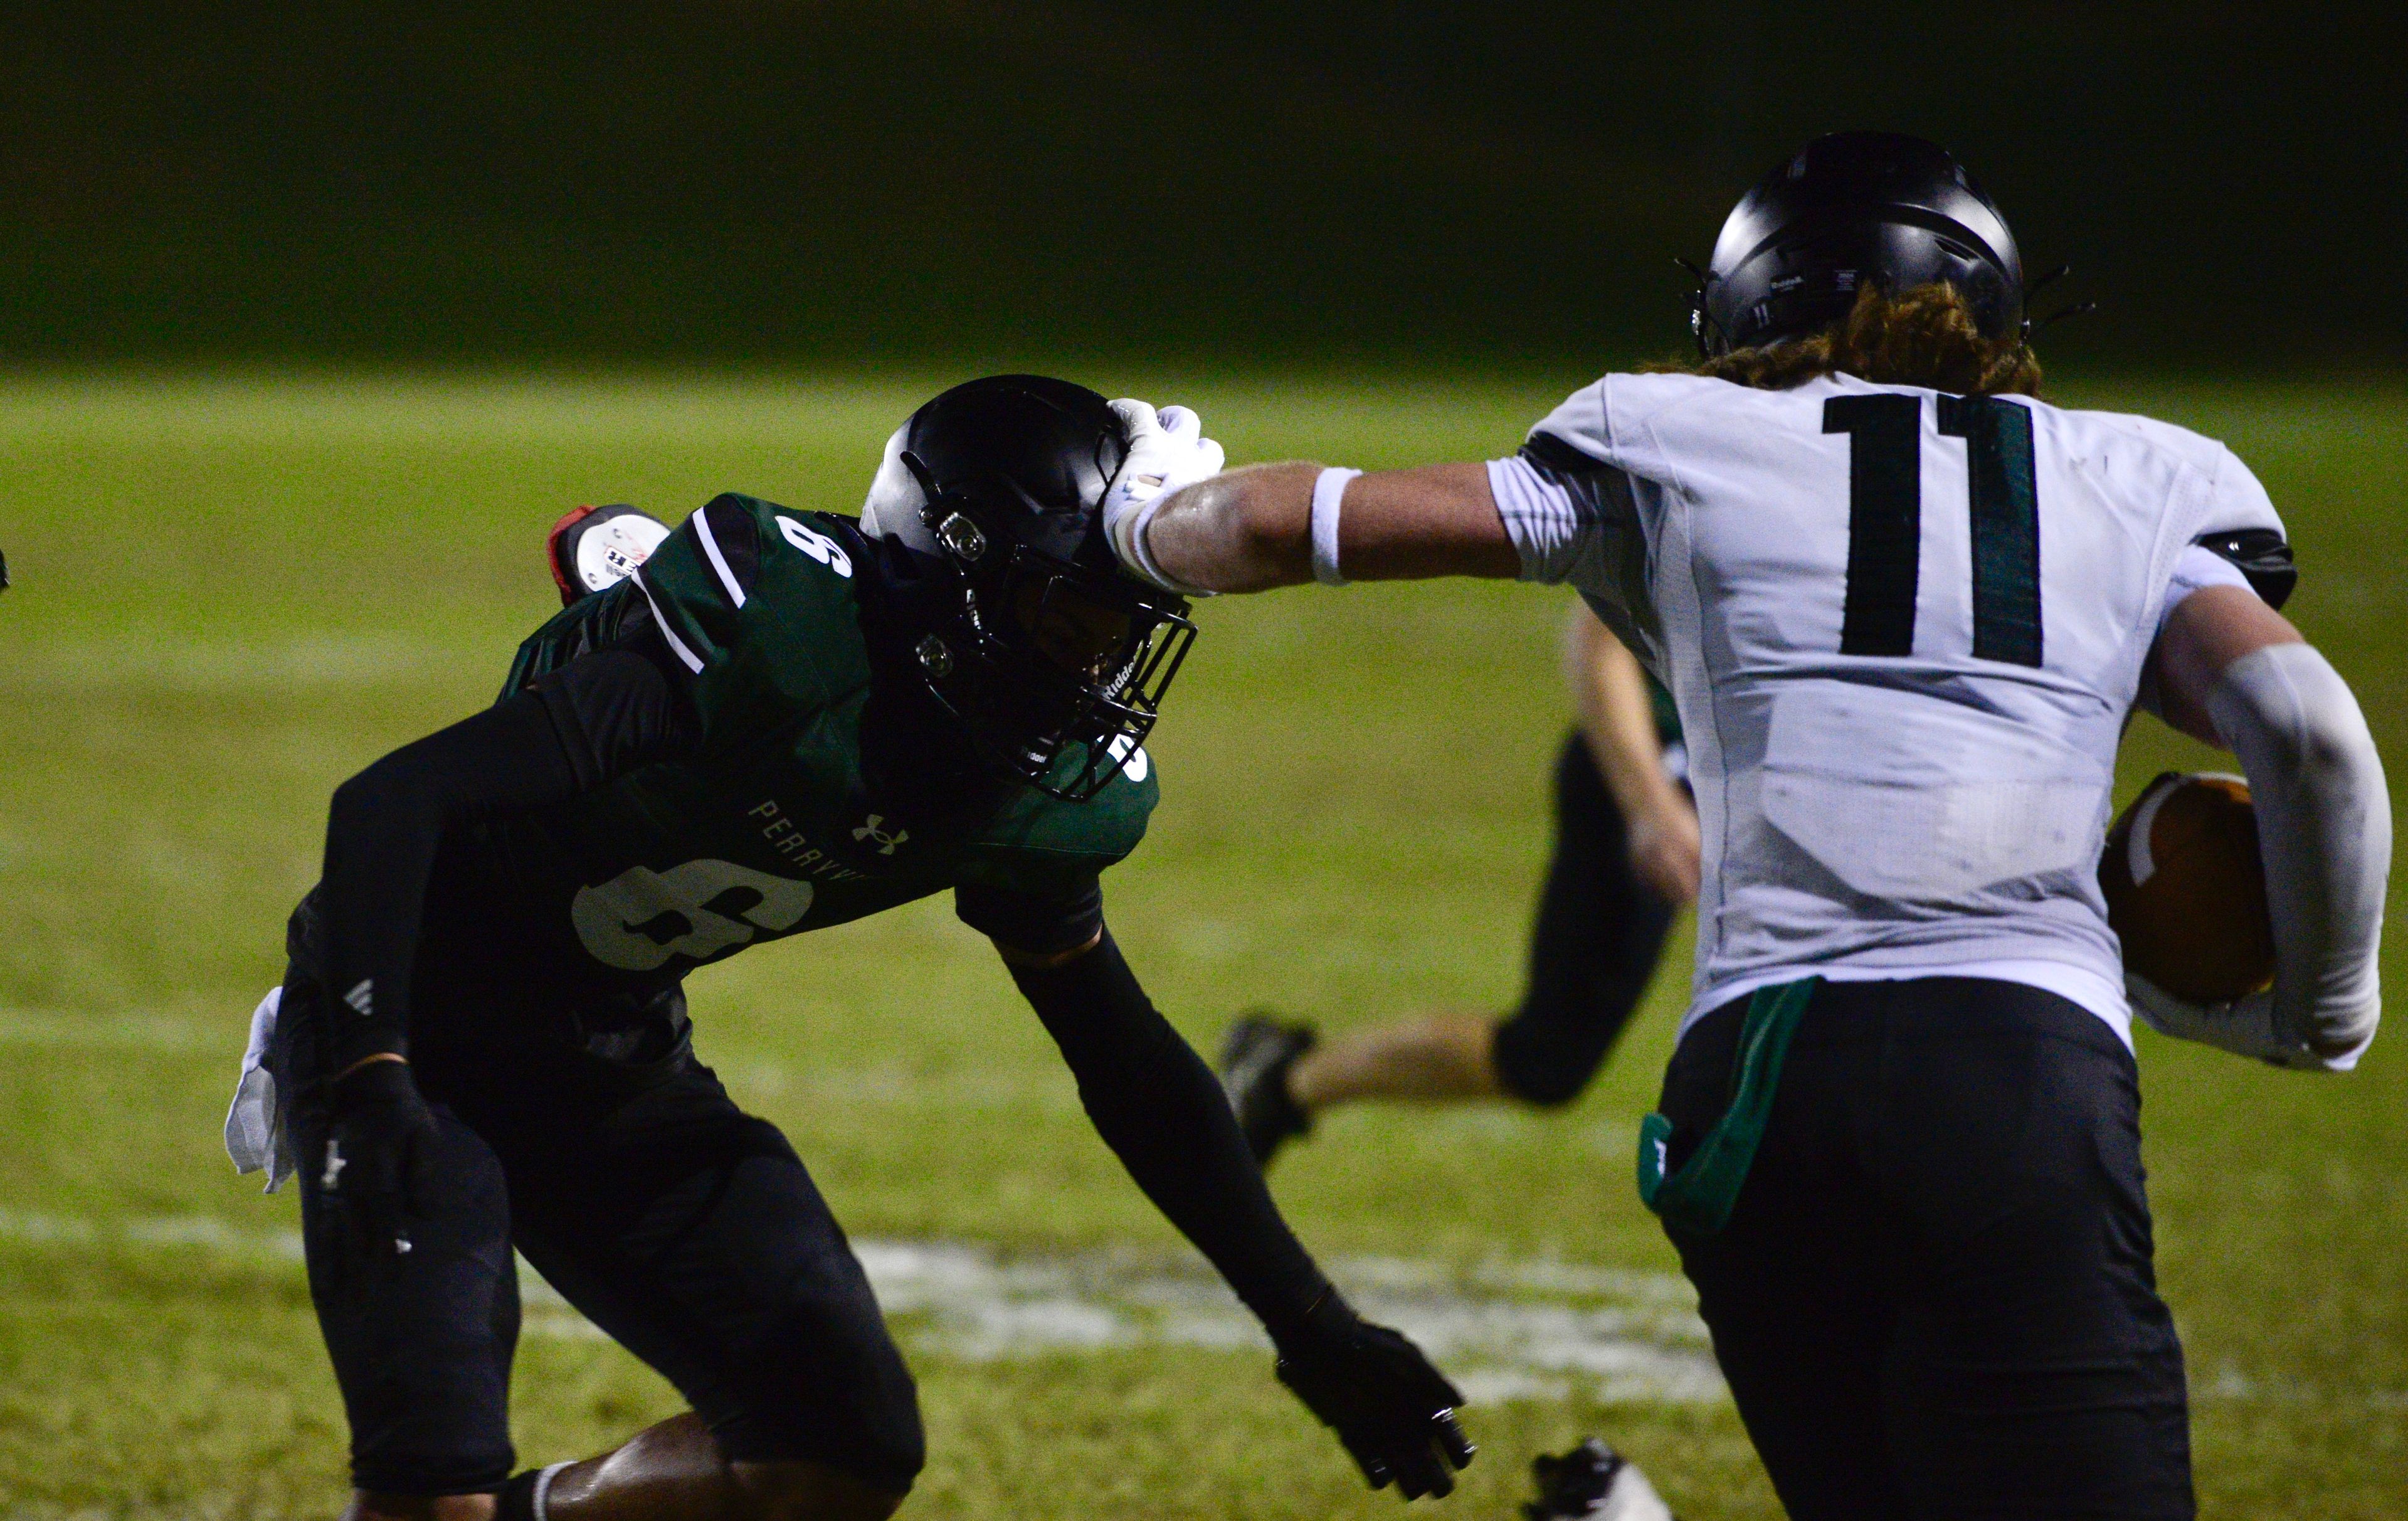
<point x="2231" y="671"/>
<point x="1271" y="526"/>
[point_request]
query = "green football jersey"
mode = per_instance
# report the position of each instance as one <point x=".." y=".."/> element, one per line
<point x="771" y="829"/>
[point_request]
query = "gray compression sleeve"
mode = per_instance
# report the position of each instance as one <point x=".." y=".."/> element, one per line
<point x="2324" y="825"/>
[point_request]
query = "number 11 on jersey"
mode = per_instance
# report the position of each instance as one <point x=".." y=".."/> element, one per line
<point x="1886" y="522"/>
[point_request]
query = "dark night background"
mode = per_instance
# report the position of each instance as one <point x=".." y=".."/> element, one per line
<point x="1338" y="183"/>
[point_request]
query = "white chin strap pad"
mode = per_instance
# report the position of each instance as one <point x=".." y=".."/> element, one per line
<point x="2324" y="827"/>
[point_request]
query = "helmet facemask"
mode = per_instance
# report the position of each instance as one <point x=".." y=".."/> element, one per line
<point x="1055" y="669"/>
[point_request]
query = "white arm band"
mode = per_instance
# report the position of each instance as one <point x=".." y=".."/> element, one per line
<point x="1328" y="495"/>
<point x="2324" y="827"/>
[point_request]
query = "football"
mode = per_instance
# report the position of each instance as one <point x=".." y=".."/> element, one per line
<point x="2185" y="891"/>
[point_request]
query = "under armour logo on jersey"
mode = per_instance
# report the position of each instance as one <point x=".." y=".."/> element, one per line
<point x="363" y="997"/>
<point x="334" y="1165"/>
<point x="886" y="842"/>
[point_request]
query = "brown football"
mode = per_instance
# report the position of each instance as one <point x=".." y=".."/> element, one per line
<point x="2185" y="891"/>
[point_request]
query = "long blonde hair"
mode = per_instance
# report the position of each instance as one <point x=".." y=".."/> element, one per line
<point x="1925" y="336"/>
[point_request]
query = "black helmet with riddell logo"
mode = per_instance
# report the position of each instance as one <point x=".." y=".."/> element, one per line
<point x="1051" y="658"/>
<point x="1850" y="210"/>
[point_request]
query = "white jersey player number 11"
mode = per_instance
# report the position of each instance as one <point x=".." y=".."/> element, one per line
<point x="1902" y="767"/>
<point x="1884" y="522"/>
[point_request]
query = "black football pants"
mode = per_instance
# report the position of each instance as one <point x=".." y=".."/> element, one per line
<point x="1599" y="933"/>
<point x="685" y="1229"/>
<point x="1934" y="1300"/>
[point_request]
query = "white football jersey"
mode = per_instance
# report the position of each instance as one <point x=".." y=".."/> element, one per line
<point x="1905" y="631"/>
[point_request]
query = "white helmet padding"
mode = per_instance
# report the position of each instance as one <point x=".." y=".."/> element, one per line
<point x="895" y="497"/>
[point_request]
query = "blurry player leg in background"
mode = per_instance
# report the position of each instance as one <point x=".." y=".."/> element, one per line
<point x="1626" y="860"/>
<point x="1625" y="863"/>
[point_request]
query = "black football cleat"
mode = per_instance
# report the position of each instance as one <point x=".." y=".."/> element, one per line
<point x="1595" y="1482"/>
<point x="1255" y="1058"/>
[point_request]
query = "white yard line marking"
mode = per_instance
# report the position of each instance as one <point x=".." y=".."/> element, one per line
<point x="1508" y="1330"/>
<point x="1505" y="1329"/>
<point x="1511" y="1329"/>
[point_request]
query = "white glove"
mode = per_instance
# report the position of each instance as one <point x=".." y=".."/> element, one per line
<point x="2246" y="1027"/>
<point x="256" y="1137"/>
<point x="1167" y="450"/>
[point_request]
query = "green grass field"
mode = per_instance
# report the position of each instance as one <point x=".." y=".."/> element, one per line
<point x="233" y="594"/>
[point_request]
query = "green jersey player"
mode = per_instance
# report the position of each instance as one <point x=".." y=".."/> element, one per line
<point x="783" y="720"/>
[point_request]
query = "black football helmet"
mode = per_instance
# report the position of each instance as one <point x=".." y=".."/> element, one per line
<point x="1855" y="208"/>
<point x="1052" y="659"/>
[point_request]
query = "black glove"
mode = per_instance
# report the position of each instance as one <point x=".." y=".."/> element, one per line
<point x="1394" y="1412"/>
<point x="381" y="1152"/>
